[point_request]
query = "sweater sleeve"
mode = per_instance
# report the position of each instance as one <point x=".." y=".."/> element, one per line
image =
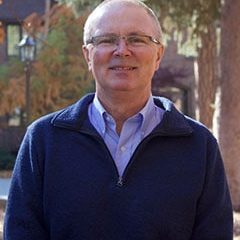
<point x="24" y="213"/>
<point x="214" y="218"/>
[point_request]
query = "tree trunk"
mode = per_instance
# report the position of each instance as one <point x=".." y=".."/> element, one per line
<point x="229" y="130"/>
<point x="47" y="18"/>
<point x="207" y="76"/>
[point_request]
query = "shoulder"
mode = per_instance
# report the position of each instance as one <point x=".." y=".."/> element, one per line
<point x="200" y="129"/>
<point x="70" y="116"/>
<point x="175" y="123"/>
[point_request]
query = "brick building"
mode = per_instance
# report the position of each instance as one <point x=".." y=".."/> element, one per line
<point x="12" y="14"/>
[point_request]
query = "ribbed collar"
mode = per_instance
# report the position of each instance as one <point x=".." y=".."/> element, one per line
<point x="144" y="116"/>
<point x="75" y="118"/>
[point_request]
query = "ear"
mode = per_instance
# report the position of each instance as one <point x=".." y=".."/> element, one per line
<point x="160" y="54"/>
<point x="86" y="53"/>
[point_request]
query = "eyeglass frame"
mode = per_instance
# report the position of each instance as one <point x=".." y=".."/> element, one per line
<point x="125" y="37"/>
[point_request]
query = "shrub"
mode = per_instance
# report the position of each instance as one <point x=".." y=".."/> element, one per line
<point x="7" y="160"/>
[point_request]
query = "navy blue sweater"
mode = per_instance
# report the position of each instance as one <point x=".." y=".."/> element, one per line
<point x="65" y="185"/>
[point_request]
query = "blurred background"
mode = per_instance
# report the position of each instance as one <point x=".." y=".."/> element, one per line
<point x="42" y="70"/>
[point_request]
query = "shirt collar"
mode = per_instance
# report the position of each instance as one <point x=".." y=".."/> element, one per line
<point x="98" y="112"/>
<point x="77" y="117"/>
<point x="146" y="114"/>
<point x="149" y="114"/>
<point x="98" y="106"/>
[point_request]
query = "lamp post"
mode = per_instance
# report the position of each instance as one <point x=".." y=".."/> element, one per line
<point x="27" y="53"/>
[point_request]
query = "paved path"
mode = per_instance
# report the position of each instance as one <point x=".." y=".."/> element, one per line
<point x="4" y="187"/>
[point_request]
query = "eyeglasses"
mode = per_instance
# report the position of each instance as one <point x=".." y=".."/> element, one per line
<point x="131" y="40"/>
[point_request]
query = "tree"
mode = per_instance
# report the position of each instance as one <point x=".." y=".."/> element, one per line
<point x="80" y="6"/>
<point x="229" y="129"/>
<point x="12" y="87"/>
<point x="208" y="75"/>
<point x="59" y="75"/>
<point x="200" y="16"/>
<point x="47" y="18"/>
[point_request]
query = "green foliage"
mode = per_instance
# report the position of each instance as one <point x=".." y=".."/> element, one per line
<point x="191" y="16"/>
<point x="4" y="72"/>
<point x="60" y="75"/>
<point x="189" y="19"/>
<point x="187" y="13"/>
<point x="7" y="160"/>
<point x="79" y="6"/>
<point x="11" y="86"/>
<point x="10" y="69"/>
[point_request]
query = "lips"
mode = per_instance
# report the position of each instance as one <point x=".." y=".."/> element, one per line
<point x="122" y="68"/>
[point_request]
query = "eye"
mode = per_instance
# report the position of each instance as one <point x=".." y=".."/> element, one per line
<point x="135" y="39"/>
<point x="101" y="40"/>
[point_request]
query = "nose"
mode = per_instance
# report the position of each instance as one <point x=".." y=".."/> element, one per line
<point x="122" y="48"/>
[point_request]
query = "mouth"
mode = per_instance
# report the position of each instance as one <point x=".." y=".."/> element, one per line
<point x="122" y="68"/>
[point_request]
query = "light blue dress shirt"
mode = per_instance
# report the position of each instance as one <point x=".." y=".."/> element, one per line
<point x="134" y="130"/>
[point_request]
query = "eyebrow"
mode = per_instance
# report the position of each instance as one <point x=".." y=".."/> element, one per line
<point x="137" y="33"/>
<point x="130" y="33"/>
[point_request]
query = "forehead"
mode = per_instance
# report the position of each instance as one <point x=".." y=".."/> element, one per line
<point x="123" y="18"/>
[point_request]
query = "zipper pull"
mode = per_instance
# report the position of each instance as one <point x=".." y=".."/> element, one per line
<point x="120" y="182"/>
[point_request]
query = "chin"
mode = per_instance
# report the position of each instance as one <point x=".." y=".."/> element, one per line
<point x="122" y="87"/>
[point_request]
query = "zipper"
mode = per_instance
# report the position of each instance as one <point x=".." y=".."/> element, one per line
<point x="121" y="179"/>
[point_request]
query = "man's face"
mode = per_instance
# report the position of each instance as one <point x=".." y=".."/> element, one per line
<point x="123" y="68"/>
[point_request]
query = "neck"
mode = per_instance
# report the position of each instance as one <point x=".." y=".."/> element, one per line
<point x="122" y="106"/>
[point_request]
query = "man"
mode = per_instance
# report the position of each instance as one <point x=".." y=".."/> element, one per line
<point x="119" y="164"/>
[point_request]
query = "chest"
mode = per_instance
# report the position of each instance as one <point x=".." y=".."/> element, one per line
<point x="158" y="193"/>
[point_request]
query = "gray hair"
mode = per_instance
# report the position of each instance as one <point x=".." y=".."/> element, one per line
<point x="92" y="18"/>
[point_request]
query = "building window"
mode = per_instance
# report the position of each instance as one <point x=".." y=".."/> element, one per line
<point x="13" y="38"/>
